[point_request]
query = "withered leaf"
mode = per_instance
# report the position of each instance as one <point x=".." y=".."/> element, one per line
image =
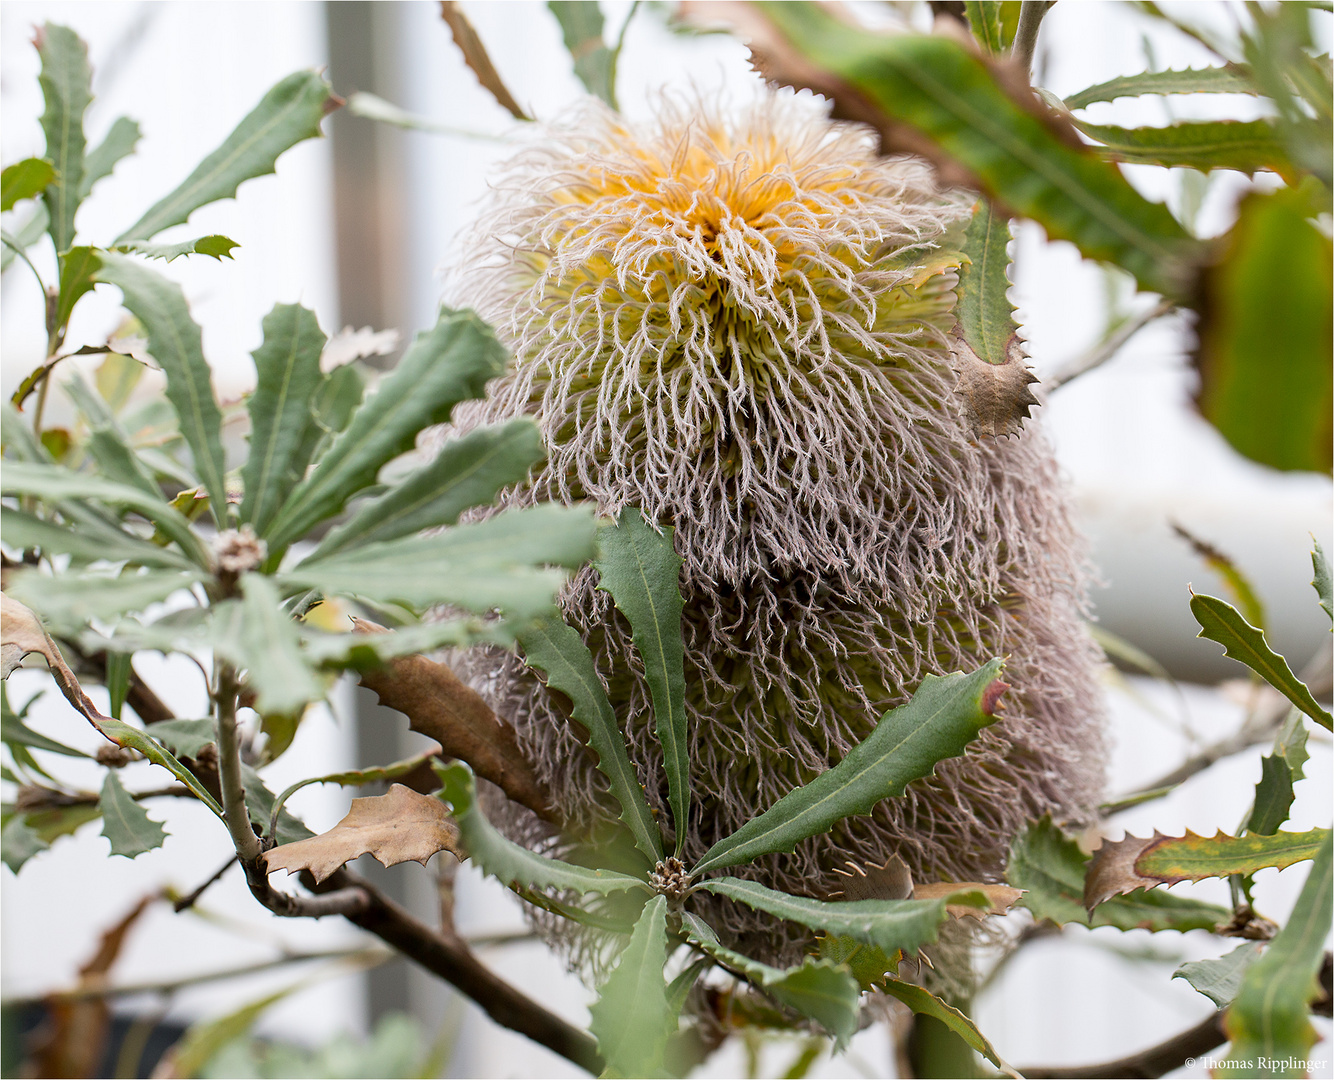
<point x="1112" y="871"/>
<point x="1000" y="898"/>
<point x="891" y="880"/>
<point x="476" y="57"/>
<point x="394" y="828"/>
<point x="996" y="397"/>
<point x="20" y="633"/>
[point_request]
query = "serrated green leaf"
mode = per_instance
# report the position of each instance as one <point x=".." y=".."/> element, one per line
<point x="467" y="472"/>
<point x="1051" y="868"/>
<point x="120" y="667"/>
<point x="925" y="1003"/>
<point x="65" y="80"/>
<point x="1194" y="858"/>
<point x="32" y="230"/>
<point x="479" y="566"/>
<point x="125" y="735"/>
<point x="552" y="647"/>
<point x="1244" y="146"/>
<point x="176" y="343"/>
<point x="1321" y="580"/>
<point x="581" y="26"/>
<point x="214" y="245"/>
<point x="125" y="823"/>
<point x="820" y="989"/>
<point x="1220" y="979"/>
<point x="446" y="365"/>
<point x="986" y="316"/>
<point x="54" y="484"/>
<point x="639" y="567"/>
<point x="630" y="1019"/>
<point x="361" y="651"/>
<point x="259" y="803"/>
<point x="1273" y="797"/>
<point x="1290" y="743"/>
<point x="942" y="88"/>
<point x="941" y="719"/>
<point x="103" y="158"/>
<point x="267" y="645"/>
<point x="186" y="737"/>
<point x="984" y="20"/>
<point x="1232" y="79"/>
<point x="507" y="861"/>
<point x="289" y="113"/>
<point x="288" y="367"/>
<point x="14" y="730"/>
<point x="890" y="925"/>
<point x="332" y="407"/>
<point x="68" y="601"/>
<point x="1269" y="1019"/>
<point x="77" y="269"/>
<point x="25" y="179"/>
<point x="19" y="843"/>
<point x="116" y="461"/>
<point x="1271" y="395"/>
<point x="50" y="825"/>
<point x="26" y="531"/>
<point x="1221" y="622"/>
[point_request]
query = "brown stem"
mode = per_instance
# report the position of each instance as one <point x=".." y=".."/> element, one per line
<point x="350" y="901"/>
<point x="1207" y="1035"/>
<point x="445" y="954"/>
<point x="229" y="770"/>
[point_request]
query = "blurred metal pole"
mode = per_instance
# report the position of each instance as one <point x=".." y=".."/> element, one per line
<point x="369" y="195"/>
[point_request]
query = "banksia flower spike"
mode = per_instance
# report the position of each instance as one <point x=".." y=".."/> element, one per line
<point x="740" y="325"/>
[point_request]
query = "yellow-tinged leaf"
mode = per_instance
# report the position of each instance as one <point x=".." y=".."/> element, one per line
<point x="394" y="828"/>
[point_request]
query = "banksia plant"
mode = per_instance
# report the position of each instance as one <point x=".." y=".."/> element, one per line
<point x="741" y="325"/>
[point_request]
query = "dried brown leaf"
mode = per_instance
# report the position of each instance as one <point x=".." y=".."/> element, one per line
<point x="440" y="706"/>
<point x="996" y="397"/>
<point x="475" y="55"/>
<point x="1000" y="897"/>
<point x="891" y="880"/>
<point x="394" y="828"/>
<point x="20" y="633"/>
<point x="1112" y="870"/>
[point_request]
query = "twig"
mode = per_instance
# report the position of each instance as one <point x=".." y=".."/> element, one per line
<point x="1257" y="729"/>
<point x="87" y="993"/>
<point x="445" y="954"/>
<point x="1103" y="352"/>
<point x="1026" y="34"/>
<point x="190" y="899"/>
<point x="1172" y="1054"/>
<point x="229" y="770"/>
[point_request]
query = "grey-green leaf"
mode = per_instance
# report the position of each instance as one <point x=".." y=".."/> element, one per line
<point x="488" y="564"/>
<point x="69" y="600"/>
<point x="176" y="343"/>
<point x="581" y="26"/>
<point x="1273" y="796"/>
<point x="1321" y="580"/>
<point x="925" y="1003"/>
<point x="28" y="234"/>
<point x="125" y="823"/>
<point x="826" y="992"/>
<point x="125" y="735"/>
<point x="290" y="112"/>
<point x="467" y="472"/>
<point x="186" y="737"/>
<point x="19" y="843"/>
<point x="26" y="531"/>
<point x="1219" y="980"/>
<point x="551" y="646"/>
<point x="25" y="179"/>
<point x="1221" y="622"/>
<point x="14" y="730"/>
<point x="941" y="719"/>
<point x="507" y="861"/>
<point x="986" y="317"/>
<point x="259" y="803"/>
<point x="268" y="645"/>
<point x="1232" y="79"/>
<point x="630" y="1019"/>
<point x="288" y="368"/>
<point x="65" y="80"/>
<point x="639" y="567"/>
<point x="52" y="483"/>
<point x="103" y="158"/>
<point x="446" y="365"/>
<point x="887" y="924"/>
<point x="1245" y="146"/>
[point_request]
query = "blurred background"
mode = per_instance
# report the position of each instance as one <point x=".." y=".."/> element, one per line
<point x="360" y="226"/>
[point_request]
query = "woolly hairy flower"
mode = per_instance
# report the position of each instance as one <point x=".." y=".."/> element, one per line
<point x="739" y="324"/>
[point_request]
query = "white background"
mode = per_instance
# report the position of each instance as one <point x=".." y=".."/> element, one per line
<point x="1135" y="453"/>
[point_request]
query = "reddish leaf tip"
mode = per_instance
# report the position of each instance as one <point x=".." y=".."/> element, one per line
<point x="991" y="696"/>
